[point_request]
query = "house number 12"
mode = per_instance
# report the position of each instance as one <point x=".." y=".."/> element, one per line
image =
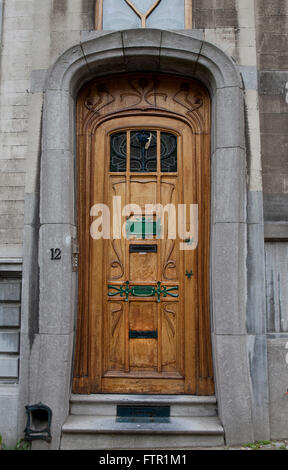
<point x="55" y="254"/>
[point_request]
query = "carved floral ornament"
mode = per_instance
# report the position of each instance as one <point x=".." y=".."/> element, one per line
<point x="145" y="93"/>
<point x="151" y="6"/>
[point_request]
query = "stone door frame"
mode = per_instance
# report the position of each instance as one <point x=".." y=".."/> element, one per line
<point x="48" y="361"/>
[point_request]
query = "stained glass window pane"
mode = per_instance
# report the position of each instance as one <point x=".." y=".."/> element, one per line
<point x="143" y="157"/>
<point x="168" y="152"/>
<point x="118" y="151"/>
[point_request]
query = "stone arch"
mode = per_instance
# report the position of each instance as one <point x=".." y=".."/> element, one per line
<point x="159" y="51"/>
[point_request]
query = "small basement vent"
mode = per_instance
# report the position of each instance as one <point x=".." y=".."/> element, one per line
<point x="143" y="414"/>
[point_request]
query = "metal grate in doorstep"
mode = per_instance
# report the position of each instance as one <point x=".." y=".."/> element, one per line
<point x="143" y="414"/>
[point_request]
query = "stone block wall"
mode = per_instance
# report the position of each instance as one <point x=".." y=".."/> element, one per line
<point x="32" y="40"/>
<point x="272" y="58"/>
<point x="276" y="257"/>
<point x="34" y="35"/>
<point x="272" y="36"/>
<point x="214" y="14"/>
<point x="17" y="33"/>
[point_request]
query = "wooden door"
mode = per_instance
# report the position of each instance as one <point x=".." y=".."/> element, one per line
<point x="143" y="320"/>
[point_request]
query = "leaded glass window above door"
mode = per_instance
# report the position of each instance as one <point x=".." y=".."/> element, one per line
<point x="146" y="151"/>
<point x="129" y="14"/>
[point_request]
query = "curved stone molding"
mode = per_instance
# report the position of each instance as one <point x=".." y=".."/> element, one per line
<point x="161" y="51"/>
<point x="129" y="51"/>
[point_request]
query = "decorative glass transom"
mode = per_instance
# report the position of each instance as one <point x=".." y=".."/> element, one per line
<point x="149" y="151"/>
<point x="129" y="14"/>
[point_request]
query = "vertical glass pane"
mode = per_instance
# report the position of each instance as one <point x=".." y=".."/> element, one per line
<point x="118" y="151"/>
<point x="143" y="155"/>
<point x="168" y="152"/>
<point x="169" y="14"/>
<point x="118" y="15"/>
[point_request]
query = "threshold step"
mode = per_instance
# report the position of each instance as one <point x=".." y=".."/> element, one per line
<point x="95" y="424"/>
<point x="91" y="432"/>
<point x="106" y="405"/>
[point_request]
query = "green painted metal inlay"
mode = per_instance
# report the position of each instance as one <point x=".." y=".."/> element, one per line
<point x="143" y="291"/>
<point x="189" y="274"/>
<point x="123" y="291"/>
<point x="143" y="227"/>
<point x="164" y="290"/>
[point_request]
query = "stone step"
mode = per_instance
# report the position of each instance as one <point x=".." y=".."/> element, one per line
<point x="103" y="432"/>
<point x="180" y="405"/>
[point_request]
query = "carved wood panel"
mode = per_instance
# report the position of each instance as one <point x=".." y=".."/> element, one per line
<point x="143" y="325"/>
<point x="184" y="98"/>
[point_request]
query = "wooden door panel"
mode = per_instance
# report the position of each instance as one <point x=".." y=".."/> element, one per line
<point x="115" y="337"/>
<point x="171" y="336"/>
<point x="143" y="315"/>
<point x="143" y="267"/>
<point x="115" y="247"/>
<point x="143" y="352"/>
<point x="143" y="191"/>
<point x="153" y="330"/>
<point x="115" y="260"/>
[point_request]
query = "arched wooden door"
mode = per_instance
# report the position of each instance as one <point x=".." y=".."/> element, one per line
<point x="143" y="170"/>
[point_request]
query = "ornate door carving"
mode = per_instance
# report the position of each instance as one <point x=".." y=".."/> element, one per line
<point x="143" y="316"/>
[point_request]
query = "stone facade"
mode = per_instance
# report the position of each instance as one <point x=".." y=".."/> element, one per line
<point x="237" y="48"/>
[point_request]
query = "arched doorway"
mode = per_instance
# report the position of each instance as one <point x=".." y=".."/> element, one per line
<point x="131" y="51"/>
<point x="143" y="297"/>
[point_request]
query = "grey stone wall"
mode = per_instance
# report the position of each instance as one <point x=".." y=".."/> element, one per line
<point x="34" y="34"/>
<point x="277" y="286"/>
<point x="272" y="58"/>
<point x="272" y="40"/>
<point x="276" y="261"/>
<point x="278" y="384"/>
<point x="15" y="79"/>
<point x="214" y="14"/>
